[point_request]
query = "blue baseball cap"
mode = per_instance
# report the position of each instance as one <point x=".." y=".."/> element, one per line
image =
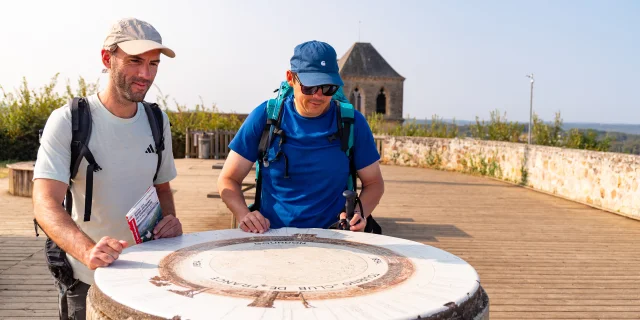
<point x="316" y="64"/>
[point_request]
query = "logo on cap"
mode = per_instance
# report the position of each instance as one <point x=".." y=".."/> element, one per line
<point x="323" y="63"/>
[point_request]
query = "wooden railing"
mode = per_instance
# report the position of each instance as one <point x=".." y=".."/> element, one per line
<point x="216" y="141"/>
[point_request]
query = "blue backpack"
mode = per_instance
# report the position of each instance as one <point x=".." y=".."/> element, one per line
<point x="345" y="121"/>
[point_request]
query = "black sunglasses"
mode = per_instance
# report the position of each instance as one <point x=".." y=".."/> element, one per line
<point x="327" y="89"/>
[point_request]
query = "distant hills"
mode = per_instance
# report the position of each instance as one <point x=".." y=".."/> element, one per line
<point x="605" y="127"/>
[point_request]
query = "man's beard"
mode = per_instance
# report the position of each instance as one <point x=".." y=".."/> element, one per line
<point x="124" y="87"/>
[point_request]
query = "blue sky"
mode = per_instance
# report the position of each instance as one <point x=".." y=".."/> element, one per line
<point x="461" y="59"/>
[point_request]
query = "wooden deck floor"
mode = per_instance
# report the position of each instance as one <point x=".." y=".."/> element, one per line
<point x="539" y="257"/>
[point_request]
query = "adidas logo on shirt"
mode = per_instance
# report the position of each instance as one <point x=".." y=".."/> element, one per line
<point x="150" y="149"/>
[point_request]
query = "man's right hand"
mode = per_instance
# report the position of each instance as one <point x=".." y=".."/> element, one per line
<point x="104" y="253"/>
<point x="254" y="222"/>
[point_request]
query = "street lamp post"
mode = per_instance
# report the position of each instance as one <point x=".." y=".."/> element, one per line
<point x="530" y="76"/>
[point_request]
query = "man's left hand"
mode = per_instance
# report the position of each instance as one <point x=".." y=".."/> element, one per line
<point x="358" y="223"/>
<point x="168" y="227"/>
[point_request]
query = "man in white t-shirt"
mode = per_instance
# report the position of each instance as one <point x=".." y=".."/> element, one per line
<point x="122" y="143"/>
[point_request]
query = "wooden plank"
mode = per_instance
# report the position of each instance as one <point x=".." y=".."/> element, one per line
<point x="27" y="306"/>
<point x="216" y="195"/>
<point x="24" y="165"/>
<point x="30" y="281"/>
<point x="530" y="249"/>
<point x="28" y="270"/>
<point x="570" y="304"/>
<point x="26" y="276"/>
<point x="42" y="292"/>
<point x="25" y="287"/>
<point x="218" y="166"/>
<point x="30" y="299"/>
<point x="562" y="315"/>
<point x="29" y="314"/>
<point x="12" y="258"/>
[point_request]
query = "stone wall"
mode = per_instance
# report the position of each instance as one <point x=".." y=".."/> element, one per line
<point x="601" y="179"/>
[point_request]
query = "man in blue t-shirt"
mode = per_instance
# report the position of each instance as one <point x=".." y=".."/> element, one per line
<point x="306" y="174"/>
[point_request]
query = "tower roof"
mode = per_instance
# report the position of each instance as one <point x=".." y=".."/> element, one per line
<point x="363" y="60"/>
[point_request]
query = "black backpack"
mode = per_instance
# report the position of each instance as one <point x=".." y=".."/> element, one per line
<point x="81" y="128"/>
<point x="81" y="132"/>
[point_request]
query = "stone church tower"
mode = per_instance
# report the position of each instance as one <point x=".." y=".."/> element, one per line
<point x="370" y="83"/>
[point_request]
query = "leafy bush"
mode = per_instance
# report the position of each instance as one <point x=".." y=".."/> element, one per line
<point x="587" y="139"/>
<point x="437" y="127"/>
<point x="547" y="135"/>
<point x="497" y="129"/>
<point x="24" y="112"/>
<point x="201" y="118"/>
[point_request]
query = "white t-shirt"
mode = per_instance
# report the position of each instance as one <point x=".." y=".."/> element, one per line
<point x="122" y="149"/>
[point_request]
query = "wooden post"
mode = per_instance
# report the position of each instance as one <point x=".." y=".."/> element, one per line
<point x="226" y="144"/>
<point x="216" y="144"/>
<point x="211" y="151"/>
<point x="187" y="153"/>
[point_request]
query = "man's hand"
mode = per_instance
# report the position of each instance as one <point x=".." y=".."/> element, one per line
<point x="168" y="227"/>
<point x="254" y="222"/>
<point x="358" y="223"/>
<point x="104" y="253"/>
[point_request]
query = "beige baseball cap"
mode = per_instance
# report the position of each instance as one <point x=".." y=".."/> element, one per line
<point x="135" y="37"/>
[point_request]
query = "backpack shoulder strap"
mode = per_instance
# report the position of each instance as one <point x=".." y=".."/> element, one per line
<point x="273" y="113"/>
<point x="346" y="115"/>
<point x="156" y="123"/>
<point x="345" y="118"/>
<point x="346" y="121"/>
<point x="274" y="117"/>
<point x="272" y="126"/>
<point x="80" y="133"/>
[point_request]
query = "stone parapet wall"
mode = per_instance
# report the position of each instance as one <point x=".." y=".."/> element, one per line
<point x="601" y="179"/>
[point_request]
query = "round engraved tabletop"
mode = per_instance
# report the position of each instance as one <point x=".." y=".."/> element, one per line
<point x="287" y="273"/>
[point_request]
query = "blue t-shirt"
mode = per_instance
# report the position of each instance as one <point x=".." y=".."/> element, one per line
<point x="318" y="169"/>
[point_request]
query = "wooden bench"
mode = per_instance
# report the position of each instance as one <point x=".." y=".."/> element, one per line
<point x="246" y="186"/>
<point x="218" y="166"/>
<point x="20" y="178"/>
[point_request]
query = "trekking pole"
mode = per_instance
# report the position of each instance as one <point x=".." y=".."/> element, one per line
<point x="350" y="208"/>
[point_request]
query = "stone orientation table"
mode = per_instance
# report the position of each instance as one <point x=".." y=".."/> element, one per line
<point x="287" y="273"/>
